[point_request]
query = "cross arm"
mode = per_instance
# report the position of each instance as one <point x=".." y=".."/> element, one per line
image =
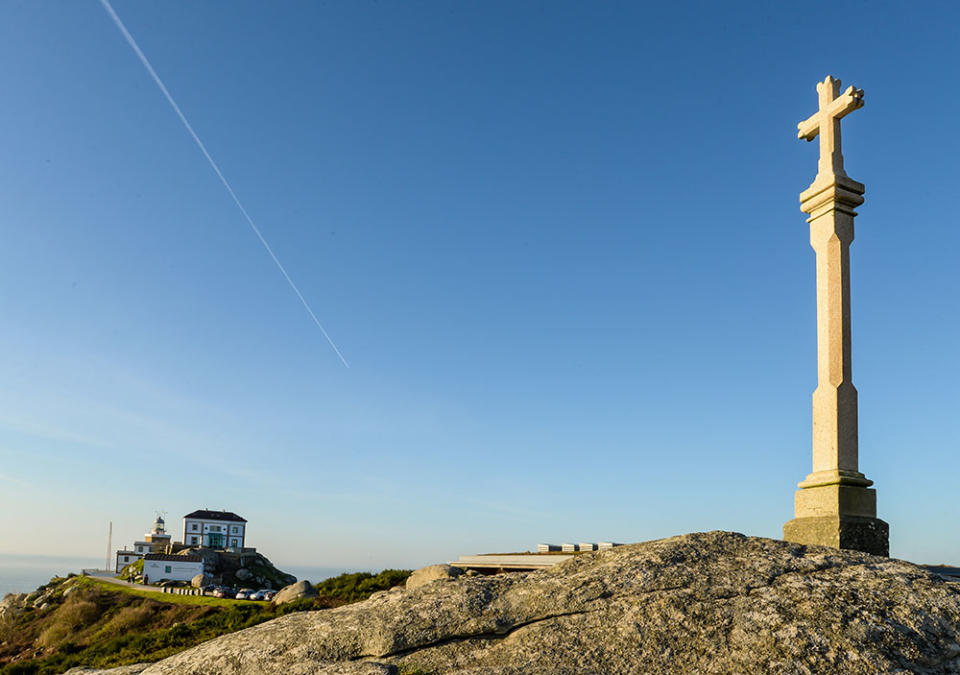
<point x="810" y="127"/>
<point x="840" y="107"/>
<point x="846" y="103"/>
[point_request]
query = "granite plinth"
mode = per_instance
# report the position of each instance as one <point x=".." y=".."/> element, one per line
<point x="858" y="533"/>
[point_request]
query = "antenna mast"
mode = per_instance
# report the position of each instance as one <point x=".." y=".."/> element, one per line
<point x="109" y="546"/>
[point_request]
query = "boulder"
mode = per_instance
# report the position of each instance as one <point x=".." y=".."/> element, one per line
<point x="209" y="556"/>
<point x="426" y="575"/>
<point x="198" y="581"/>
<point x="232" y="568"/>
<point x="297" y="591"/>
<point x="12" y="605"/>
<point x="715" y="602"/>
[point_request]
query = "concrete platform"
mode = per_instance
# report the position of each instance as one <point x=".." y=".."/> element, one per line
<point x="518" y="562"/>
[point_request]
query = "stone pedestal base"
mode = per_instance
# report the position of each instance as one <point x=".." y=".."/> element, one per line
<point x="832" y="500"/>
<point x="870" y="535"/>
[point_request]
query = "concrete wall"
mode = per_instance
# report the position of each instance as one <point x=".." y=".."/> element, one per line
<point x="156" y="570"/>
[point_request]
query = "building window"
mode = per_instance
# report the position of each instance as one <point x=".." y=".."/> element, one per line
<point x="193" y="540"/>
<point x="234" y="529"/>
<point x="234" y="542"/>
<point x="193" y="526"/>
<point x="166" y="569"/>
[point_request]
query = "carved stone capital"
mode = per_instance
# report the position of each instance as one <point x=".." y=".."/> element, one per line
<point x="831" y="193"/>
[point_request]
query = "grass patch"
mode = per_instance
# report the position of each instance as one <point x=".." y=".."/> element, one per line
<point x="171" y="598"/>
<point x="67" y="619"/>
<point x="132" y="571"/>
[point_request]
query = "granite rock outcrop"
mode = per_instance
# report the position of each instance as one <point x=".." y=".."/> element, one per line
<point x="715" y="602"/>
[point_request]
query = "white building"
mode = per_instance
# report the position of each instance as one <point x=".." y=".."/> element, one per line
<point x="214" y="529"/>
<point x="165" y="567"/>
<point x="125" y="557"/>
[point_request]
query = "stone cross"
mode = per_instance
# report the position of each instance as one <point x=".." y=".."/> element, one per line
<point x="826" y="123"/>
<point x="834" y="505"/>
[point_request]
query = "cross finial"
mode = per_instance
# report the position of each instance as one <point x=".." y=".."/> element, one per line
<point x="826" y="123"/>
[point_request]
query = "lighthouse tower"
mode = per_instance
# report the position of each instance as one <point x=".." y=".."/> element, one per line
<point x="157" y="538"/>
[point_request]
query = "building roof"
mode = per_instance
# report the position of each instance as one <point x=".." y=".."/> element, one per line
<point x="216" y="515"/>
<point x="173" y="558"/>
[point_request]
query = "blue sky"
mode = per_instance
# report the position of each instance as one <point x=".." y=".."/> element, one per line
<point x="559" y="244"/>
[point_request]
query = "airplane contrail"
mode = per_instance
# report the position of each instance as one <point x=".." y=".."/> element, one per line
<point x="256" y="230"/>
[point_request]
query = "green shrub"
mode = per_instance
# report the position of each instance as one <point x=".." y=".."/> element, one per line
<point x="348" y="588"/>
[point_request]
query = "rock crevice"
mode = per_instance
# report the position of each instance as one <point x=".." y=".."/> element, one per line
<point x="489" y="635"/>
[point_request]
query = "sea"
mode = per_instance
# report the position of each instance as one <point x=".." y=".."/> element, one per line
<point x="24" y="573"/>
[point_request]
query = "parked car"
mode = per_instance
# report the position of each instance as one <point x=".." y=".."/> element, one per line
<point x="244" y="593"/>
<point x="223" y="592"/>
<point x="263" y="594"/>
<point x="269" y="595"/>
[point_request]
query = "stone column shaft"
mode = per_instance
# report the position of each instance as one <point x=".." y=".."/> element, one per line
<point x="830" y="201"/>
<point x="835" y="399"/>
